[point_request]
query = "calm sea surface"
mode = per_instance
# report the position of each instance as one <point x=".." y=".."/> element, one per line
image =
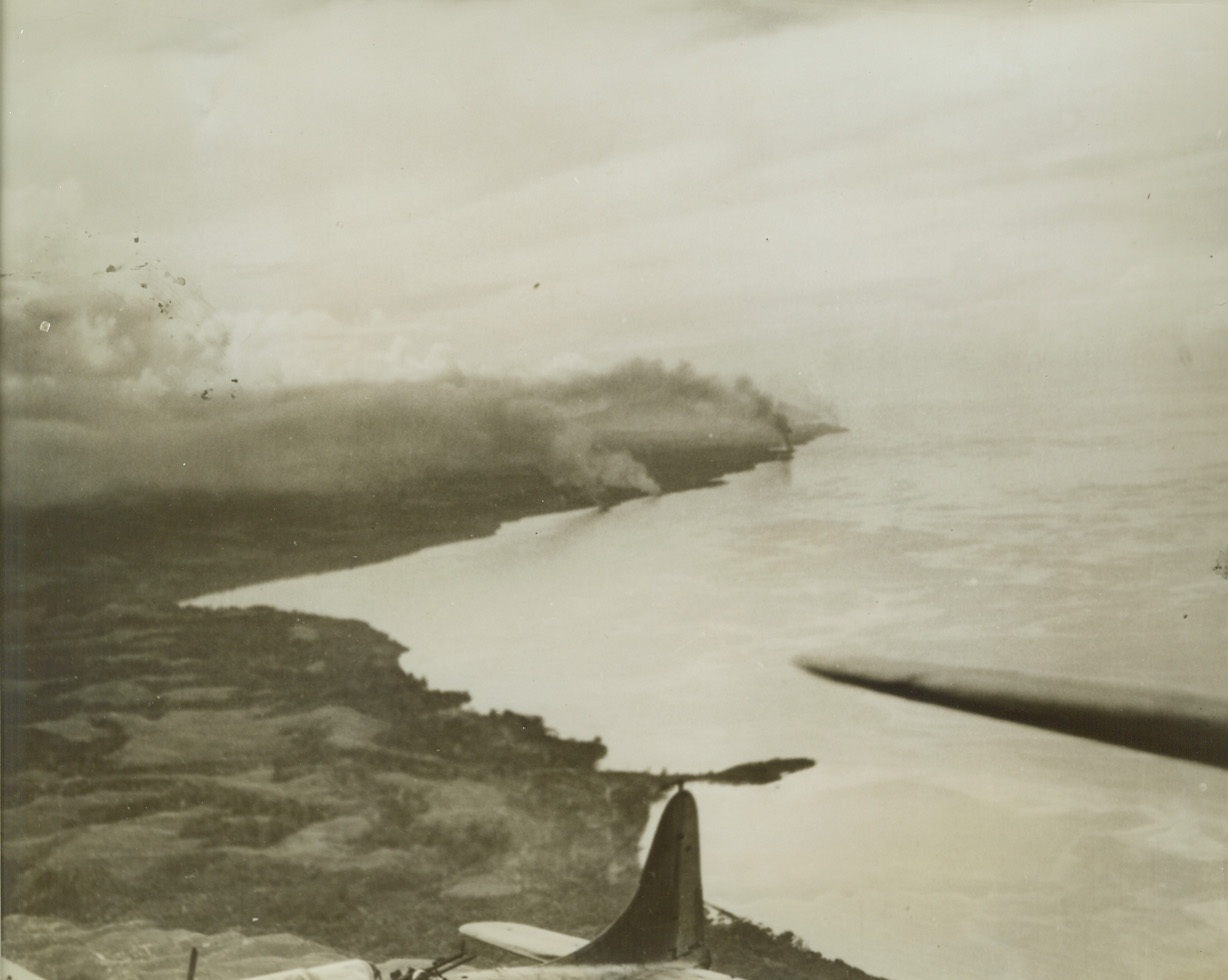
<point x="1076" y="539"/>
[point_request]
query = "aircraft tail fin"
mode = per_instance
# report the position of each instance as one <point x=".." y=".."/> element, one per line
<point x="665" y="918"/>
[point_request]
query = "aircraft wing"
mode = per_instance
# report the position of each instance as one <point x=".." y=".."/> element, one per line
<point x="14" y="972"/>
<point x="345" y="970"/>
<point x="536" y="944"/>
<point x="1177" y="725"/>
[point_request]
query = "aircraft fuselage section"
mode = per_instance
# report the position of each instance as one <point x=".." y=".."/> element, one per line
<point x="634" y="971"/>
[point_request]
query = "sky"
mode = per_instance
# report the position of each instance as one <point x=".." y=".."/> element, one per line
<point x="312" y="207"/>
<point x="848" y="200"/>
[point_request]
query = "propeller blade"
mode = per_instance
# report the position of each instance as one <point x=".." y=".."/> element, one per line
<point x="1177" y="725"/>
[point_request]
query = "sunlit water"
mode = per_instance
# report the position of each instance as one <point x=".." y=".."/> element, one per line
<point x="925" y="844"/>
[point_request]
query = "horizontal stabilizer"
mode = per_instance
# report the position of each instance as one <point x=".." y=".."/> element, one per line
<point x="1181" y="726"/>
<point x="536" y="944"/>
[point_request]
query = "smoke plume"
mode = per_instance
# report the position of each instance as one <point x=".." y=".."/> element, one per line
<point x="118" y="384"/>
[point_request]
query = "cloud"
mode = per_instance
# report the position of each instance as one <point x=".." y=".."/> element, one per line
<point x="884" y="198"/>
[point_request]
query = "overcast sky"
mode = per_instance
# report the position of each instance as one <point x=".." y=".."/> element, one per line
<point x="836" y="196"/>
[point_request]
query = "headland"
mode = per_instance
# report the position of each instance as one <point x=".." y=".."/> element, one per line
<point x="273" y="782"/>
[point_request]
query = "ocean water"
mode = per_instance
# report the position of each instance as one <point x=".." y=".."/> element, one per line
<point x="1073" y="537"/>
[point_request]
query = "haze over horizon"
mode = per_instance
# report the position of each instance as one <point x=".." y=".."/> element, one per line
<point x="882" y="201"/>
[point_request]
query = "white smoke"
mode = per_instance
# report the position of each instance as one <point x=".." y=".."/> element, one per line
<point x="120" y="382"/>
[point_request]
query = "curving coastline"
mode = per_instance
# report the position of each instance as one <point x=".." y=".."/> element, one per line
<point x="268" y="773"/>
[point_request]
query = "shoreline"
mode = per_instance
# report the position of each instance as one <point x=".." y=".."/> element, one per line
<point x="181" y="766"/>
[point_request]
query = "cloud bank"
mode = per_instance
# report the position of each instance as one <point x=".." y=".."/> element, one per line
<point x="888" y="197"/>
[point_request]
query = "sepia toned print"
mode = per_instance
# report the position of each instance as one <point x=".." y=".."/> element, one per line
<point x="457" y="453"/>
